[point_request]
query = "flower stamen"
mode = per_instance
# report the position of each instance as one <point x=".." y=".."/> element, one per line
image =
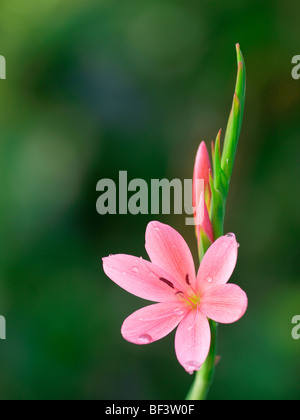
<point x="168" y="282"/>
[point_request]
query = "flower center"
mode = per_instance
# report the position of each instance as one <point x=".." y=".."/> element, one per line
<point x="192" y="301"/>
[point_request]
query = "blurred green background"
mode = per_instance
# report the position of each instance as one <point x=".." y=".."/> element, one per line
<point x="94" y="87"/>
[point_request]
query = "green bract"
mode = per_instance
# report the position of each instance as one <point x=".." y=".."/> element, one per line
<point x="223" y="163"/>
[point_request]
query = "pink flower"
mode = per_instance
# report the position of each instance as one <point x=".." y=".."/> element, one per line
<point x="202" y="197"/>
<point x="186" y="300"/>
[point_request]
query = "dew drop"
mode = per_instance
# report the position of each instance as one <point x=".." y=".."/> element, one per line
<point x="111" y="255"/>
<point x="135" y="269"/>
<point x="238" y="245"/>
<point x="178" y="312"/>
<point x="209" y="279"/>
<point x="124" y="273"/>
<point x="192" y="366"/>
<point x="144" y="339"/>
<point x="230" y="235"/>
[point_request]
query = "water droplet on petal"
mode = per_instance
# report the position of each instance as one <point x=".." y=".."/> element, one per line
<point x="111" y="255"/>
<point x="124" y="273"/>
<point x="178" y="312"/>
<point x="135" y="269"/>
<point x="144" y="339"/>
<point x="238" y="245"/>
<point x="209" y="279"/>
<point x="192" y="366"/>
<point x="230" y="235"/>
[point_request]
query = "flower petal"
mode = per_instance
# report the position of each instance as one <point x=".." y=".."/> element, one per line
<point x="202" y="220"/>
<point x="153" y="322"/>
<point x="140" y="277"/>
<point x="218" y="263"/>
<point x="202" y="169"/>
<point x="192" y="341"/>
<point x="225" y="304"/>
<point x="168" y="250"/>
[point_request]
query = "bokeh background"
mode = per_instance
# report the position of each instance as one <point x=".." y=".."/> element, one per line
<point x="98" y="86"/>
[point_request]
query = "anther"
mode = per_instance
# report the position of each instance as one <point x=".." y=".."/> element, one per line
<point x="169" y="283"/>
<point x="187" y="279"/>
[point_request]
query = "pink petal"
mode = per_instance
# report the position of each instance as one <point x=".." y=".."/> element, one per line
<point x="153" y="322"/>
<point x="192" y="341"/>
<point x="168" y="250"/>
<point x="202" y="170"/>
<point x="202" y="219"/>
<point x="218" y="263"/>
<point x="140" y="277"/>
<point x="225" y="304"/>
